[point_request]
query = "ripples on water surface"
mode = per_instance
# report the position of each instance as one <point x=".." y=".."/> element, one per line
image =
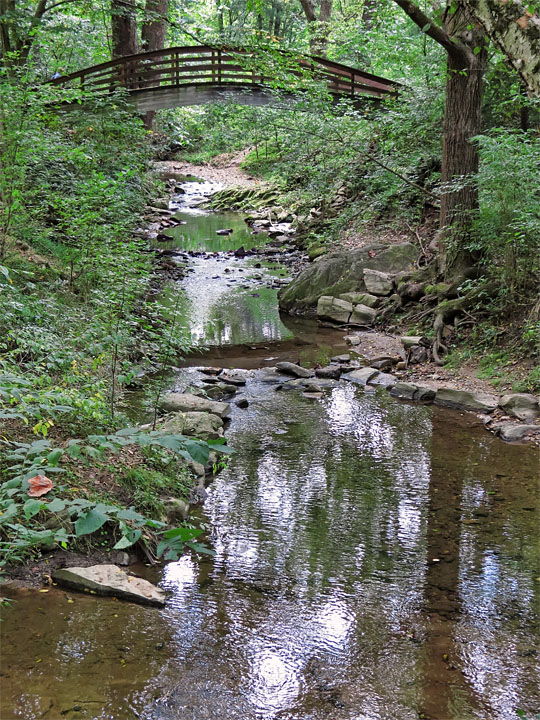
<point x="373" y="560"/>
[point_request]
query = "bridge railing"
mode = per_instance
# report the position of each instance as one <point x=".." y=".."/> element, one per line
<point x="206" y="65"/>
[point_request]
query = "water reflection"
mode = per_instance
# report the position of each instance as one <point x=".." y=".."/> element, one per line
<point x="373" y="560"/>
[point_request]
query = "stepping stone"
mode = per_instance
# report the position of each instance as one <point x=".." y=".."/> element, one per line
<point x="289" y="368"/>
<point x="464" y="400"/>
<point x="185" y="402"/>
<point x="110" y="580"/>
<point x="361" y="376"/>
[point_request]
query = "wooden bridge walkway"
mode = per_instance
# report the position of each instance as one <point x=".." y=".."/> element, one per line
<point x="180" y="76"/>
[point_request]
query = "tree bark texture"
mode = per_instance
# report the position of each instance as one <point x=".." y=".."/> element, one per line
<point x="318" y="26"/>
<point x="154" y="27"/>
<point x="124" y="28"/>
<point x="516" y="31"/>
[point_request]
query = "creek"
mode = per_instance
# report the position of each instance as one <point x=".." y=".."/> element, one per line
<point x="373" y="559"/>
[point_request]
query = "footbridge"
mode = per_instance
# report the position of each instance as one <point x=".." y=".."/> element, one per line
<point x="193" y="75"/>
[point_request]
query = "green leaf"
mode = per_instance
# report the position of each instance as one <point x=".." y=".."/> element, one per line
<point x="90" y="522"/>
<point x="32" y="507"/>
<point x="426" y="27"/>
<point x="56" y="505"/>
<point x="183" y="533"/>
<point x="54" y="456"/>
<point x="130" y="514"/>
<point x="199" y="451"/>
<point x="128" y="540"/>
<point x="477" y="50"/>
<point x="198" y="547"/>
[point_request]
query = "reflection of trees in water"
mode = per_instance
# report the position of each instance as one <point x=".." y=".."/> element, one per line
<point x="240" y="318"/>
<point x="474" y="591"/>
<point x="332" y="533"/>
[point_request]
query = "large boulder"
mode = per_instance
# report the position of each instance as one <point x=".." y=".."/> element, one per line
<point x="331" y="308"/>
<point x="377" y="283"/>
<point x="362" y="315"/>
<point x="185" y="402"/>
<point x="201" y="425"/>
<point x="110" y="580"/>
<point x="343" y="272"/>
<point x="520" y="405"/>
<point x="359" y="298"/>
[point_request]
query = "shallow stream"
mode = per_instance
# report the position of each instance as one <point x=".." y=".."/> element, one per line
<point x="375" y="560"/>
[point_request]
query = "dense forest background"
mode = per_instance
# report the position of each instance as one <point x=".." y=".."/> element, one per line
<point x="452" y="163"/>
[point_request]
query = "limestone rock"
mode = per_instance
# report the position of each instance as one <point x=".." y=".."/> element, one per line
<point x="424" y="394"/>
<point x="352" y="340"/>
<point x="185" y="402"/>
<point x="289" y="368"/>
<point x="404" y="390"/>
<point x="331" y="308"/>
<point x="234" y="377"/>
<point x="176" y="509"/>
<point x="332" y="372"/>
<point x="383" y="379"/>
<point x="464" y="400"/>
<point x="362" y="376"/>
<point x="363" y="315"/>
<point x="110" y="580"/>
<point x="377" y="283"/>
<point x="358" y="298"/>
<point x="337" y="273"/>
<point x="520" y="405"/>
<point x="512" y="432"/>
<point x="242" y="403"/>
<point x="201" y="425"/>
<point x="344" y="358"/>
<point x="220" y="390"/>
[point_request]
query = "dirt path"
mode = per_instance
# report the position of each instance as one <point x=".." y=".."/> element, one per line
<point x="224" y="169"/>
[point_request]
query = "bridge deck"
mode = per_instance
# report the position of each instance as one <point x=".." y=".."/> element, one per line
<point x="197" y="74"/>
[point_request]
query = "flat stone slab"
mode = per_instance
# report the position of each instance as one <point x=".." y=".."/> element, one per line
<point x="362" y="315"/>
<point x="361" y="376"/>
<point x="110" y="580"/>
<point x="410" y="391"/>
<point x="464" y="400"/>
<point x="234" y="377"/>
<point x="383" y="379"/>
<point x="403" y="390"/>
<point x="512" y="432"/>
<point x="289" y="368"/>
<point x="331" y="308"/>
<point x="185" y="402"/>
<point x="520" y="405"/>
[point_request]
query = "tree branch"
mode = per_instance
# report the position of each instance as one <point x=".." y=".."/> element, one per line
<point x="428" y="26"/>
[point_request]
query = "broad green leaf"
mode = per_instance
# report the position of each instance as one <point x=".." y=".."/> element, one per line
<point x="56" y="505"/>
<point x="32" y="507"/>
<point x="90" y="522"/>
<point x="128" y="540"/>
<point x="183" y="533"/>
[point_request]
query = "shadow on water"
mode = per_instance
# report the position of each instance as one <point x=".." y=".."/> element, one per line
<point x="374" y="560"/>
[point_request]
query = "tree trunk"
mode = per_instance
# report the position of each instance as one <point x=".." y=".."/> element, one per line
<point x="124" y="28"/>
<point x="462" y="121"/>
<point x="153" y="37"/>
<point x="515" y="28"/>
<point x="318" y="27"/>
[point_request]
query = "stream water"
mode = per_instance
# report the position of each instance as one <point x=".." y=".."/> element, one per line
<point x="374" y="560"/>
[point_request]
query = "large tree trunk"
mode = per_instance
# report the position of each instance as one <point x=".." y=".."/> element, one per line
<point x="154" y="26"/>
<point x="318" y="27"/>
<point x="124" y="28"/>
<point x="516" y="30"/>
<point x="462" y="121"/>
<point x="153" y="37"/>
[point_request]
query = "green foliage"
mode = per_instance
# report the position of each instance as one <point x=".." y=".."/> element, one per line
<point x="80" y="516"/>
<point x="507" y="229"/>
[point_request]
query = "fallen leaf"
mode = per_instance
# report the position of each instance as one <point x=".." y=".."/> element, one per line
<point x="39" y="485"/>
